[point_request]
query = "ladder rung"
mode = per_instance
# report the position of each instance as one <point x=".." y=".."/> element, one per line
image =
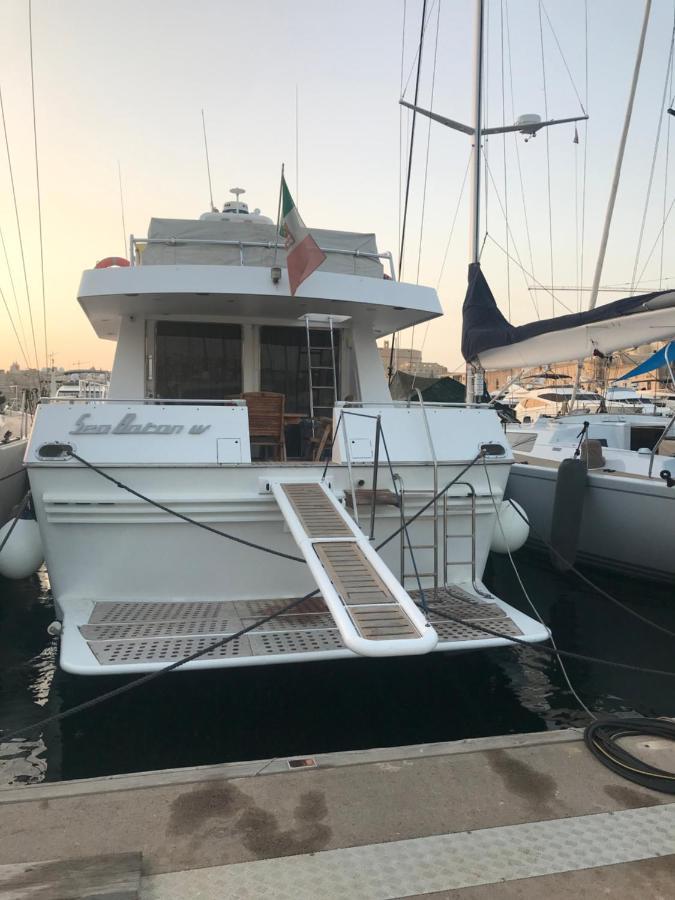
<point x="321" y="368"/>
<point x="459" y="562"/>
<point x="420" y="546"/>
<point x="323" y="387"/>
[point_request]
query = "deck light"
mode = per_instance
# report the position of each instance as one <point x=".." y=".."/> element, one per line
<point x="275" y="272"/>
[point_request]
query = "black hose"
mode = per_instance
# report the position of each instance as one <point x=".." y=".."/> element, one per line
<point x="602" y="739"/>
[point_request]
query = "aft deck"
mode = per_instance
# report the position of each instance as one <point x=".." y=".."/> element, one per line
<point x="131" y="636"/>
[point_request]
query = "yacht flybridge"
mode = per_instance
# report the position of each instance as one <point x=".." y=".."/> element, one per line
<point x="237" y="408"/>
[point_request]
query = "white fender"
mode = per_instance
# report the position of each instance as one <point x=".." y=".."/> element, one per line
<point x="22" y="555"/>
<point x="514" y="530"/>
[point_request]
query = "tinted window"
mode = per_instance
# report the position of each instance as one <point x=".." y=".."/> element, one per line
<point x="197" y="360"/>
<point x="284" y="367"/>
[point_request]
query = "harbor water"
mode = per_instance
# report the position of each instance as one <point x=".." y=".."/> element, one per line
<point x="210" y="717"/>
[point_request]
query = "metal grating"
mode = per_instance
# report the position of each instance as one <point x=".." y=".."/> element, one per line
<point x="293" y="623"/>
<point x="453" y="631"/>
<point x="163" y="650"/>
<point x="469" y="608"/>
<point x="308" y="641"/>
<point x="316" y="513"/>
<point x="260" y="608"/>
<point x="351" y="573"/>
<point x="383" y="623"/>
<point x="109" y="612"/>
<point x="131" y="631"/>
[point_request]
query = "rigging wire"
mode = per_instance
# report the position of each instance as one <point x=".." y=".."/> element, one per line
<point x="548" y="153"/>
<point x="18" y="227"/>
<point x="454" y="221"/>
<point x="417" y="53"/>
<point x="426" y="161"/>
<point x="37" y="181"/>
<point x="562" y="56"/>
<point x="515" y="247"/>
<point x="656" y="240"/>
<point x="652" y="168"/>
<point x="506" y="194"/>
<point x="515" y="143"/>
<point x="16" y="299"/>
<point x="412" y="139"/>
<point x="16" y="333"/>
<point x="585" y="162"/>
<point x="424" y="188"/>
<point x="541" y="286"/>
<point x="124" y="227"/>
<point x="665" y="169"/>
<point x="400" y="125"/>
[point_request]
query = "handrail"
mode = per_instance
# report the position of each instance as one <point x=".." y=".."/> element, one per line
<point x="656" y="446"/>
<point x="135" y="242"/>
<point x="434" y="460"/>
<point x="145" y="401"/>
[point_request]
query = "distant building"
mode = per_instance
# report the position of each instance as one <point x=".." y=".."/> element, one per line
<point x="407" y="359"/>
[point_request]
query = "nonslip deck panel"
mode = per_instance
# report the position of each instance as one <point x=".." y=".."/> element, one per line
<point x="316" y="514"/>
<point x="147" y="633"/>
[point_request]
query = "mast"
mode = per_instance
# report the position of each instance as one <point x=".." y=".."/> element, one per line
<point x="478" y="132"/>
<point x="615" y="183"/>
<point x="527" y="125"/>
<point x="474" y="225"/>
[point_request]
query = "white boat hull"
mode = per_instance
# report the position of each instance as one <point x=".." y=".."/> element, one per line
<point x="627" y="524"/>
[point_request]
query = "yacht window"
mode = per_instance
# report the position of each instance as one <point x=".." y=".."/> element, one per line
<point x="198" y="360"/>
<point x="284" y="367"/>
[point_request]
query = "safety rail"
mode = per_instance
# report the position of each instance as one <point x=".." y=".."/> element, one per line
<point x="146" y="401"/>
<point x="656" y="446"/>
<point x="137" y="243"/>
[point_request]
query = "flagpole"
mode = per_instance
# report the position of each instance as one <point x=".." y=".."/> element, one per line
<point x="276" y="241"/>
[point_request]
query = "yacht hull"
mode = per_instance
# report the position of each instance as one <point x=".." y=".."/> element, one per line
<point x="627" y="523"/>
<point x="13" y="482"/>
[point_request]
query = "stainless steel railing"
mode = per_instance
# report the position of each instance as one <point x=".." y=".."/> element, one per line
<point x="137" y="243"/>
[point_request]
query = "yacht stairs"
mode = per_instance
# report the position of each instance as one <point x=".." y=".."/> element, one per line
<point x="363" y="610"/>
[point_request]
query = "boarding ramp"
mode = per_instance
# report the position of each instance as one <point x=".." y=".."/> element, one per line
<point x="373" y="613"/>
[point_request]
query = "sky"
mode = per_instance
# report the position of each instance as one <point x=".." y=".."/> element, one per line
<point x="125" y="82"/>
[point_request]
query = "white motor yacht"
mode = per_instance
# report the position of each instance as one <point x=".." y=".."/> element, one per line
<point x="241" y="407"/>
<point x="555" y="400"/>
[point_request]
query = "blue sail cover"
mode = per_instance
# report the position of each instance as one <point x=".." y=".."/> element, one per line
<point x="663" y="357"/>
<point x="485" y="328"/>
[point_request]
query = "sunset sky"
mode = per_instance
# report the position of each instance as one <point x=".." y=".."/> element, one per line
<point x="123" y="80"/>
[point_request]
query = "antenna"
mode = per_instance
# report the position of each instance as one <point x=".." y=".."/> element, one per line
<point x="208" y="165"/>
<point x="124" y="227"/>
<point x="297" y="147"/>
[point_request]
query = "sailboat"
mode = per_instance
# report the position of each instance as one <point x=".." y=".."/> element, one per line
<point x="622" y="513"/>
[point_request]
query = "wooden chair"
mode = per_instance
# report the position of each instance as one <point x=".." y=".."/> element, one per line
<point x="320" y="440"/>
<point x="266" y="421"/>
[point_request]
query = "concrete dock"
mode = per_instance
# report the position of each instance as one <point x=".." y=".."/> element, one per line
<point x="520" y="816"/>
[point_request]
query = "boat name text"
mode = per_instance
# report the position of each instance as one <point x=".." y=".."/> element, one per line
<point x="128" y="425"/>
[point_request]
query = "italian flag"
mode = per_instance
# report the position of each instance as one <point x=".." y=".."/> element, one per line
<point x="303" y="254"/>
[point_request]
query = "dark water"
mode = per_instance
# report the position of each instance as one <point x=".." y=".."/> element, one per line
<point x="251" y="713"/>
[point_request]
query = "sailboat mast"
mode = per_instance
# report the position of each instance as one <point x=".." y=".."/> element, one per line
<point x="472" y="389"/>
<point x="619" y="160"/>
<point x="615" y="186"/>
<point x="478" y="133"/>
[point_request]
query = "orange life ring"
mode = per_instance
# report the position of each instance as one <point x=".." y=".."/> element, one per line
<point x="112" y="261"/>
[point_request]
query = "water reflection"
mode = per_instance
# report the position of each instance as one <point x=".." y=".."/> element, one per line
<point x="208" y="717"/>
